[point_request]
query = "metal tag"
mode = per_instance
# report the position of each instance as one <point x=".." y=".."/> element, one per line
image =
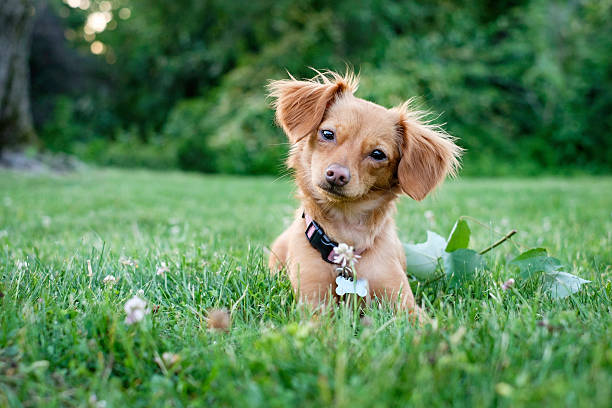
<point x="349" y="285"/>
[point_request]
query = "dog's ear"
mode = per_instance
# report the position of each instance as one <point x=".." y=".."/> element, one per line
<point x="300" y="105"/>
<point x="428" y="155"/>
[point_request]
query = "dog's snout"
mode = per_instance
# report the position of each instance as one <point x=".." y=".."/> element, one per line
<point x="337" y="175"/>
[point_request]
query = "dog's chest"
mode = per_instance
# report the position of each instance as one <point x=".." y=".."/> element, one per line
<point x="359" y="236"/>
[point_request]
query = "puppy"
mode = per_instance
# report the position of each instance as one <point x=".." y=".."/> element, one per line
<point x="351" y="160"/>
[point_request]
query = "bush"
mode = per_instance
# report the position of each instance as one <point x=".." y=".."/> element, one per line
<point x="60" y="133"/>
<point x="129" y="151"/>
<point x="525" y="85"/>
<point x="216" y="137"/>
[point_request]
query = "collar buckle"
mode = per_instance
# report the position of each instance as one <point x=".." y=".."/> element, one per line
<point x="320" y="241"/>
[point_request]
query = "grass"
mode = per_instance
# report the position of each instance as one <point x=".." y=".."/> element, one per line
<point x="63" y="340"/>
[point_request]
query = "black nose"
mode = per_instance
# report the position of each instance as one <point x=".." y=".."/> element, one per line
<point x="337" y="175"/>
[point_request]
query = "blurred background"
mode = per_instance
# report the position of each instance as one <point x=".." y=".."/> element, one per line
<point x="525" y="85"/>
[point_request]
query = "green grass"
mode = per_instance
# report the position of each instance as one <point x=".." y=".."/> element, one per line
<point x="63" y="336"/>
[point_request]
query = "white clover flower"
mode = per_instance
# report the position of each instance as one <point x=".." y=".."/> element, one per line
<point x="124" y="260"/>
<point x="546" y="225"/>
<point x="46" y="221"/>
<point x="345" y="255"/>
<point x="162" y="268"/>
<point x="93" y="401"/>
<point x="429" y="215"/>
<point x="22" y="265"/>
<point x="170" y="359"/>
<point x="507" y="284"/>
<point x="135" y="309"/>
<point x="109" y="280"/>
<point x="167" y="360"/>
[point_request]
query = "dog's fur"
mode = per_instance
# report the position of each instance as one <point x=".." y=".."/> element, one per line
<point x="360" y="213"/>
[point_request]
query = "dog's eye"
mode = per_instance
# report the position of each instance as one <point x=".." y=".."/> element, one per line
<point x="378" y="155"/>
<point x="327" y="134"/>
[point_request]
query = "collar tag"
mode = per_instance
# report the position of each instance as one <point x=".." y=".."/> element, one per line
<point x="349" y="285"/>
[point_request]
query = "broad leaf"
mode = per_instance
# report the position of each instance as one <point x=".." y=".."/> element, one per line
<point x="459" y="237"/>
<point x="562" y="284"/>
<point x="536" y="260"/>
<point x="460" y="265"/>
<point x="422" y="259"/>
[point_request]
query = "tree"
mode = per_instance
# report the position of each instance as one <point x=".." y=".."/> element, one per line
<point x="16" y="21"/>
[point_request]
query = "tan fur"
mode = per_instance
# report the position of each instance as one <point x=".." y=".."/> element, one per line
<point x="419" y="157"/>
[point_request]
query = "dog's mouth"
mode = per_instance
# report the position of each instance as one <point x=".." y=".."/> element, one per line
<point x="333" y="190"/>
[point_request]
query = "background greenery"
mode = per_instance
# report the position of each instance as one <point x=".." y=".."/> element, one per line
<point x="525" y="85"/>
<point x="63" y="340"/>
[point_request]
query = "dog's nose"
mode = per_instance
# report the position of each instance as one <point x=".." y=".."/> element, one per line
<point x="337" y="175"/>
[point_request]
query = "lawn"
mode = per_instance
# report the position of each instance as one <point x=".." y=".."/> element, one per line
<point x="64" y="340"/>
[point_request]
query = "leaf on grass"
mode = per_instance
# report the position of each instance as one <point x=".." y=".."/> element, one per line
<point x="461" y="264"/>
<point x="536" y="260"/>
<point x="557" y="283"/>
<point x="562" y="284"/>
<point x="459" y="237"/>
<point x="422" y="259"/>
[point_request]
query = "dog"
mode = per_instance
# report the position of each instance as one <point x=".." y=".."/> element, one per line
<point x="351" y="160"/>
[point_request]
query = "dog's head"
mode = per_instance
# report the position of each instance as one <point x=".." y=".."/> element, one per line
<point x="348" y="149"/>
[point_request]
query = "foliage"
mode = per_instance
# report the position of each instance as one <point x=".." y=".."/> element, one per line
<point x="556" y="282"/>
<point x="64" y="341"/>
<point x="128" y="150"/>
<point x="525" y="85"/>
<point x="215" y="138"/>
<point x="460" y="264"/>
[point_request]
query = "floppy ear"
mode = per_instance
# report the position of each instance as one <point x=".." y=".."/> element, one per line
<point x="428" y="156"/>
<point x="300" y="105"/>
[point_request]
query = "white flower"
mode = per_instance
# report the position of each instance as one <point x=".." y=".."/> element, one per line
<point x="429" y="215"/>
<point x="22" y="265"/>
<point x="507" y="284"/>
<point x="345" y="255"/>
<point x="124" y="260"/>
<point x="162" y="268"/>
<point x="109" y="280"/>
<point x="135" y="309"/>
<point x="167" y="360"/>
<point x="46" y="221"/>
<point x="170" y="359"/>
<point x="546" y="225"/>
<point x="93" y="401"/>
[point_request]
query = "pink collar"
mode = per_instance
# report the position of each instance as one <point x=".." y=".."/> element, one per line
<point x="321" y="241"/>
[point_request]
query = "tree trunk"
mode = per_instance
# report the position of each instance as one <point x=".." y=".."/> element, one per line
<point x="16" y="20"/>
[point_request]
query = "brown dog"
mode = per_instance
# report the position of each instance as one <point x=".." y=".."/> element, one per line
<point x="352" y="159"/>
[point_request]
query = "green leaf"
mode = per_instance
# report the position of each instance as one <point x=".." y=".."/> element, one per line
<point x="536" y="260"/>
<point x="562" y="284"/>
<point x="422" y="259"/>
<point x="531" y="253"/>
<point x="461" y="264"/>
<point x="459" y="237"/>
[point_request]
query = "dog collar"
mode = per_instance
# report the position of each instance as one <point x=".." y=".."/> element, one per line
<point x="320" y="241"/>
